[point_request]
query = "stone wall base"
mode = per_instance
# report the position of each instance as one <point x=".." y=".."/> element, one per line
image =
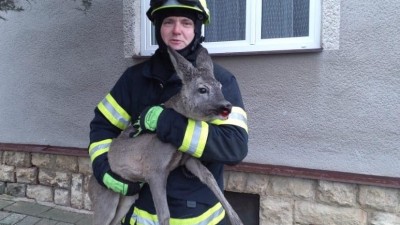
<point x="284" y="200"/>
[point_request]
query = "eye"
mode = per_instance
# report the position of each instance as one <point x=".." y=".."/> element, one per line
<point x="202" y="90"/>
<point x="167" y="21"/>
<point x="187" y="23"/>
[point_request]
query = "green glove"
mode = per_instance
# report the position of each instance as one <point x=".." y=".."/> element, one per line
<point x="148" y="120"/>
<point x="118" y="184"/>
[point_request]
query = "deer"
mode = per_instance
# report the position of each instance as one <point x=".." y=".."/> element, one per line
<point x="145" y="158"/>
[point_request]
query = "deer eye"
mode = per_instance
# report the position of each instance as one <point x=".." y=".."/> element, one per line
<point x="202" y="90"/>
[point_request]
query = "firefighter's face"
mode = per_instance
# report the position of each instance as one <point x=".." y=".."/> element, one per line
<point x="177" y="32"/>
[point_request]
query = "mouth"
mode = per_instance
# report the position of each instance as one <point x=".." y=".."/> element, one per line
<point x="222" y="113"/>
<point x="175" y="41"/>
<point x="225" y="113"/>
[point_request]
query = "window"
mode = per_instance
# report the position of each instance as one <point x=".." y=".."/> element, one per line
<point x="253" y="26"/>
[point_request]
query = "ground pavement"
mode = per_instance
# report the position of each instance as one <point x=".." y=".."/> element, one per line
<point x="22" y="211"/>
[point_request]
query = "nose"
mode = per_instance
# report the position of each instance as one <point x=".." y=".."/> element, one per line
<point x="226" y="106"/>
<point x="225" y="109"/>
<point x="177" y="28"/>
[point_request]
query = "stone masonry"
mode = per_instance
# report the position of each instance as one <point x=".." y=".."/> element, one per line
<point x="63" y="180"/>
<point x="59" y="179"/>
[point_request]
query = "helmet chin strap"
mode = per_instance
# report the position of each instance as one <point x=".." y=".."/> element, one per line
<point x="198" y="38"/>
<point x="197" y="41"/>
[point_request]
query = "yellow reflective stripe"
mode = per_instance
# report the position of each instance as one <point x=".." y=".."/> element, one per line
<point x="237" y="117"/>
<point x="204" y="4"/>
<point x="114" y="112"/>
<point x="211" y="217"/>
<point x="195" y="138"/>
<point x="176" y="6"/>
<point x="99" y="148"/>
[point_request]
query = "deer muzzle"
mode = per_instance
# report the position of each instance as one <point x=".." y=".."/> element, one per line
<point x="225" y="109"/>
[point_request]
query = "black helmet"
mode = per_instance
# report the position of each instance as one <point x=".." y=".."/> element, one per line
<point x="196" y="10"/>
<point x="199" y="6"/>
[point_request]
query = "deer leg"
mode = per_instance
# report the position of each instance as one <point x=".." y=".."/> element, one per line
<point x="104" y="201"/>
<point x="158" y="191"/>
<point x="205" y="176"/>
<point x="125" y="203"/>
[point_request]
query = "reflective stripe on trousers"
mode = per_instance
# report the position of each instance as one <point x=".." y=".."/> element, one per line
<point x="211" y="217"/>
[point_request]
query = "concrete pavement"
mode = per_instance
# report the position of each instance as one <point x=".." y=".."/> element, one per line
<point x="22" y="211"/>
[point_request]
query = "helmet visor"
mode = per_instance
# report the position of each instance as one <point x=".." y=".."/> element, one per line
<point x="158" y="3"/>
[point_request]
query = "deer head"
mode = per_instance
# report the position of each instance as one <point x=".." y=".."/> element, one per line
<point x="201" y="96"/>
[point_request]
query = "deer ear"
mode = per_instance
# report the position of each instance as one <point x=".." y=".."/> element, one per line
<point x="204" y="60"/>
<point x="181" y="65"/>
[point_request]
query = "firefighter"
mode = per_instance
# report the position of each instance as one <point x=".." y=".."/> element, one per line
<point x="137" y="97"/>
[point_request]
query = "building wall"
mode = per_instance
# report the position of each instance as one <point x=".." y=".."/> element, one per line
<point x="333" y="110"/>
<point x="56" y="64"/>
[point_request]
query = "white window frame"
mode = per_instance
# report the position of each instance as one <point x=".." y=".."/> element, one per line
<point x="253" y="44"/>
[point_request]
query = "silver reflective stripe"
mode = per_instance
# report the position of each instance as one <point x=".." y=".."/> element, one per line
<point x="211" y="217"/>
<point x="238" y="116"/>
<point x="99" y="147"/>
<point x="173" y="221"/>
<point x="114" y="112"/>
<point x="195" y="138"/>
<point x="144" y="221"/>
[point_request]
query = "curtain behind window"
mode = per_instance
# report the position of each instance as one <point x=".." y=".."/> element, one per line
<point x="228" y="20"/>
<point x="285" y="18"/>
<point x="280" y="19"/>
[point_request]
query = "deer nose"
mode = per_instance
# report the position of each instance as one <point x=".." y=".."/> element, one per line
<point x="226" y="108"/>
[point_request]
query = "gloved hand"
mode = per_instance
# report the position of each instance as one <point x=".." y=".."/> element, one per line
<point x="148" y="119"/>
<point x="118" y="184"/>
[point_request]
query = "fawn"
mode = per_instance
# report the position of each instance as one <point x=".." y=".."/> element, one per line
<point x="145" y="158"/>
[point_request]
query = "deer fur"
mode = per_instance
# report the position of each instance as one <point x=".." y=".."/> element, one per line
<point x="145" y="158"/>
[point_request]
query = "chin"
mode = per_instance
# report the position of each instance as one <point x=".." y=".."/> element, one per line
<point x="177" y="47"/>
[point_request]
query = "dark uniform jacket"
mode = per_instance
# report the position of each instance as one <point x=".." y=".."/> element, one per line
<point x="151" y="83"/>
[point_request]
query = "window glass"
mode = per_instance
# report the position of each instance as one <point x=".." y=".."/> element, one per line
<point x="250" y="26"/>
<point x="285" y="18"/>
<point x="228" y="21"/>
